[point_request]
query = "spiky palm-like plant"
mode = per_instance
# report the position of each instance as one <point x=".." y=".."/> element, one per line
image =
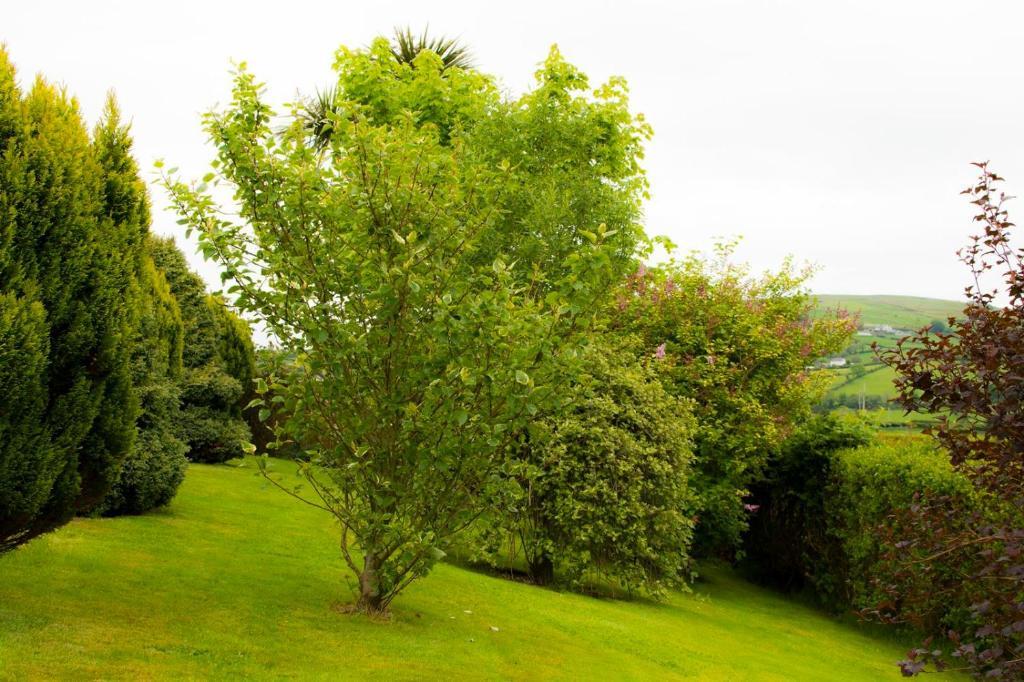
<point x="406" y="47"/>
<point x="317" y="114"/>
<point x="319" y="110"/>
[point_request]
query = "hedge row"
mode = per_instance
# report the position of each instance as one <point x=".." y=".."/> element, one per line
<point x="819" y="516"/>
<point x="104" y="346"/>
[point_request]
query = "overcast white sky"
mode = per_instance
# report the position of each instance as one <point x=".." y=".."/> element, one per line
<point x="839" y="132"/>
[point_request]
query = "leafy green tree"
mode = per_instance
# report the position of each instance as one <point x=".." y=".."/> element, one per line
<point x="218" y="361"/>
<point x="603" y="482"/>
<point x="416" y="358"/>
<point x="740" y="347"/>
<point x="69" y="257"/>
<point x="575" y="156"/>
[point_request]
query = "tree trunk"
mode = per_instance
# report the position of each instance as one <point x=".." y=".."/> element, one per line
<point x="542" y="570"/>
<point x="370" y="599"/>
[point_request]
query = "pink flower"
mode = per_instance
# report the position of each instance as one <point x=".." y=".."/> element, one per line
<point x="659" y="352"/>
<point x="751" y="507"/>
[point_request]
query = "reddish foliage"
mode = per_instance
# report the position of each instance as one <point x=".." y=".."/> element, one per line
<point x="942" y="557"/>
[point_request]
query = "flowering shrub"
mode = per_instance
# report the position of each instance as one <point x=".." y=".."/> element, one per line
<point x="740" y="347"/>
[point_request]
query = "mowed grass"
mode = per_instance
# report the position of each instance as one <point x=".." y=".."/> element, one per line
<point x="237" y="580"/>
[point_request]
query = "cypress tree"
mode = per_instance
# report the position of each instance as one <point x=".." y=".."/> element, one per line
<point x="218" y="359"/>
<point x="68" y="262"/>
<point x="155" y="466"/>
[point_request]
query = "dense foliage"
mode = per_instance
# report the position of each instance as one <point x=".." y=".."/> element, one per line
<point x="70" y="253"/>
<point x="602" y="483"/>
<point x="739" y="347"/>
<point x="868" y="485"/>
<point x="267" y="415"/>
<point x="789" y="542"/>
<point x="155" y="467"/>
<point x="218" y="360"/>
<point x="829" y="491"/>
<point x="420" y="351"/>
<point x="973" y="378"/>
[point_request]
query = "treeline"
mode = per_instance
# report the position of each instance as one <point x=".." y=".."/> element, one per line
<point x="116" y="364"/>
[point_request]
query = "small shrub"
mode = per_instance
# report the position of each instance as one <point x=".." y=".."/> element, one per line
<point x="603" y="483"/>
<point x="150" y="476"/>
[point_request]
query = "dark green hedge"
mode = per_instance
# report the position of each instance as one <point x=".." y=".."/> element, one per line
<point x="818" y="515"/>
<point x="219" y="364"/>
<point x="70" y="254"/>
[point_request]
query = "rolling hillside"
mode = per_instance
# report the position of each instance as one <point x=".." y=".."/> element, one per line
<point x="902" y="312"/>
<point x="865" y="380"/>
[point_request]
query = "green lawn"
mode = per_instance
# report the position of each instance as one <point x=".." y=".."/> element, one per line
<point x="237" y="580"/>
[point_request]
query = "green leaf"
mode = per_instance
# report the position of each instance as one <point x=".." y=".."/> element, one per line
<point x="522" y="377"/>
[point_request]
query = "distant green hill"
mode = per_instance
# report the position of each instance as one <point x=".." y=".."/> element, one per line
<point x="902" y="312"/>
<point x="864" y="380"/>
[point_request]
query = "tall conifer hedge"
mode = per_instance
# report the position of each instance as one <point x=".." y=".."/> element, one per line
<point x="70" y="253"/>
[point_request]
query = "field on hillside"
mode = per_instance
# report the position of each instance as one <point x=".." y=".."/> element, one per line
<point x="878" y="381"/>
<point x="235" y="579"/>
<point x="903" y="312"/>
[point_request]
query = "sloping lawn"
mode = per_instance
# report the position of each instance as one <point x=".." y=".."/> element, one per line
<point x="235" y="579"/>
